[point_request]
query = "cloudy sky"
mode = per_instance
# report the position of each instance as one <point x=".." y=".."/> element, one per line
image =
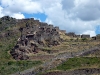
<point x="79" y="16"/>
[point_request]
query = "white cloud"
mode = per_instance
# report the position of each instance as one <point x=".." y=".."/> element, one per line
<point x="89" y="32"/>
<point x="49" y="21"/>
<point x="13" y="7"/>
<point x="80" y="16"/>
<point x="72" y="17"/>
<point x="26" y="6"/>
<point x="18" y="15"/>
<point x="1" y="14"/>
<point x="88" y="10"/>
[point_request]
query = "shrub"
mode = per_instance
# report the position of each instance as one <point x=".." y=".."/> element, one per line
<point x="0" y="22"/>
<point x="71" y="39"/>
<point x="84" y="39"/>
<point x="79" y="62"/>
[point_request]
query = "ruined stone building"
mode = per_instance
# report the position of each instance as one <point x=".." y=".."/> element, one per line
<point x="33" y="36"/>
<point x="85" y="36"/>
<point x="71" y="34"/>
<point x="6" y="22"/>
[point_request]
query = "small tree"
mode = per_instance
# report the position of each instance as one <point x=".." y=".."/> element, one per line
<point x="84" y="39"/>
<point x="71" y="39"/>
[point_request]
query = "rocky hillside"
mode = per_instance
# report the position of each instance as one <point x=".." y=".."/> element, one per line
<point x="33" y="35"/>
<point x="28" y="41"/>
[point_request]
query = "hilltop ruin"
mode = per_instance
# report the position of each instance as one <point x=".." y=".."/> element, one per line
<point x="34" y="35"/>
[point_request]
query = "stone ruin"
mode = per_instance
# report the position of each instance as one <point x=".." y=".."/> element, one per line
<point x="73" y="35"/>
<point x="33" y="37"/>
<point x="6" y="22"/>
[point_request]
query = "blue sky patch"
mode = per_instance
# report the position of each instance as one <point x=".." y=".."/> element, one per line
<point x="40" y="16"/>
<point x="97" y="29"/>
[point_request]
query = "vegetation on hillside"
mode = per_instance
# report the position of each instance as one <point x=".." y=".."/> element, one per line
<point x="81" y="62"/>
<point x="7" y="64"/>
<point x="9" y="67"/>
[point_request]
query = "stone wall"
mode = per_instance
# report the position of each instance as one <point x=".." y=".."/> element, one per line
<point x="33" y="36"/>
<point x="85" y="36"/>
<point x="71" y="34"/>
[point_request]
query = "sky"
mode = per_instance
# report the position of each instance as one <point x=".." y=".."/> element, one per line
<point x="79" y="16"/>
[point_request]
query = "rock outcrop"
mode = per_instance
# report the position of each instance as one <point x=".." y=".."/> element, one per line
<point x="33" y="37"/>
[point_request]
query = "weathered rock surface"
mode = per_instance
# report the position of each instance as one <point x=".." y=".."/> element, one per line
<point x="33" y="37"/>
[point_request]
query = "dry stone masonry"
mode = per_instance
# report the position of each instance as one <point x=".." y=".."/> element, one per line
<point x="33" y="36"/>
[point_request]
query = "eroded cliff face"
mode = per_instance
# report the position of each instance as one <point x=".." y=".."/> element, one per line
<point x="33" y="37"/>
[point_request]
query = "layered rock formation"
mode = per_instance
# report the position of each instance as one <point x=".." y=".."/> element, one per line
<point x="33" y="37"/>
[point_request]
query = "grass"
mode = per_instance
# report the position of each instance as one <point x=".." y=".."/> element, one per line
<point x="9" y="67"/>
<point x="6" y="45"/>
<point x="81" y="62"/>
<point x="7" y="64"/>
